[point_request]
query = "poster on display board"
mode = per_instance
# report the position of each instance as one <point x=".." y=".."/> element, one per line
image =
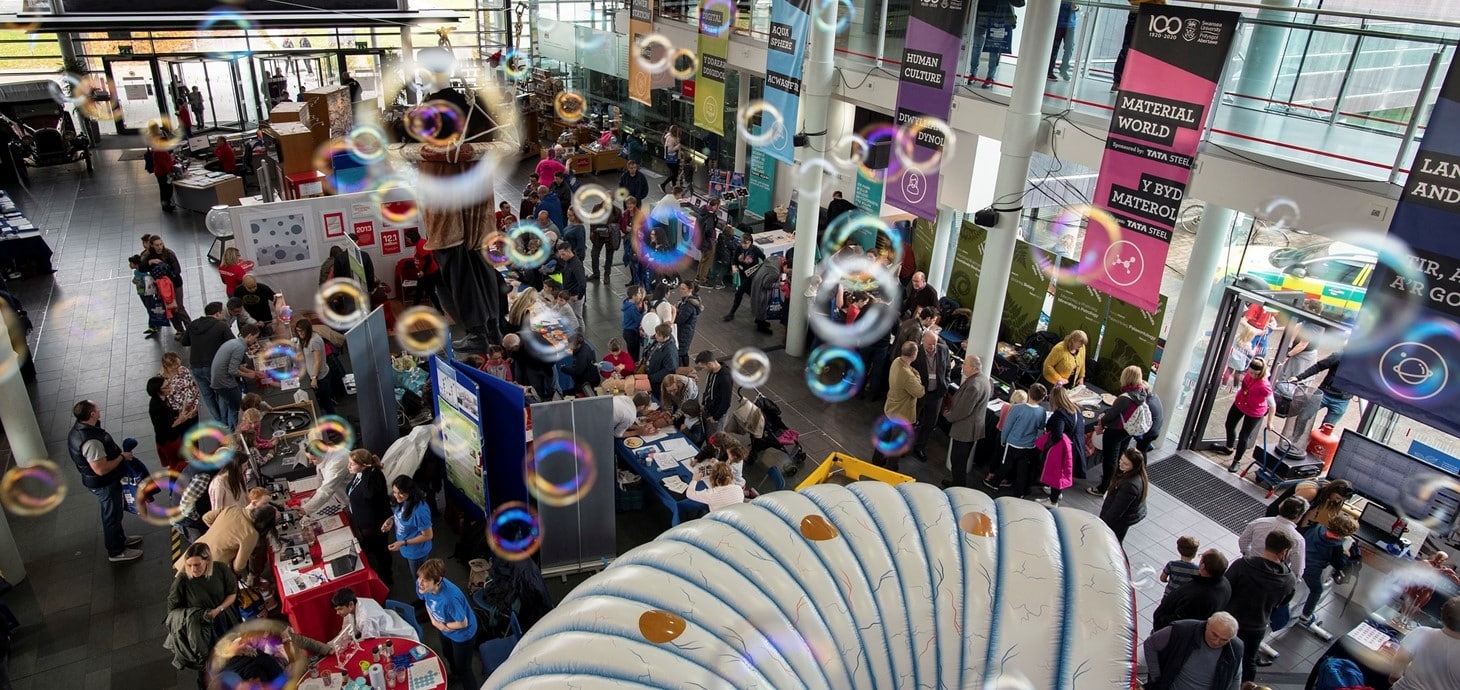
<point x="967" y="264"/>
<point x="1170" y="78"/>
<point x="1078" y="308"/>
<point x="714" y="47"/>
<point x="458" y="416"/>
<point x="762" y="181"/>
<point x="926" y="79"/>
<point x="785" y="57"/>
<point x="1406" y="367"/>
<point x="334" y="224"/>
<point x="364" y="232"/>
<point x="641" y="24"/>
<point x="278" y="240"/>
<point x="390" y="241"/>
<point x="1028" y="288"/>
<point x="473" y="406"/>
<point x="1130" y="337"/>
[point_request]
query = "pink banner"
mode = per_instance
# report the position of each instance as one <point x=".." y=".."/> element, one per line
<point x="1170" y="78"/>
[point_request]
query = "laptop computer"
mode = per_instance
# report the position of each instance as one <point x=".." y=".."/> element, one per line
<point x="1376" y="524"/>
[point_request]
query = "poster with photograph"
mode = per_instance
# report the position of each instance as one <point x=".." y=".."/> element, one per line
<point x="458" y="411"/>
<point x="334" y="224"/>
<point x="279" y="243"/>
<point x="365" y="232"/>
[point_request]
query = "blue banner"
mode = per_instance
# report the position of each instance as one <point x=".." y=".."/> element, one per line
<point x="784" y="58"/>
<point x="1410" y="372"/>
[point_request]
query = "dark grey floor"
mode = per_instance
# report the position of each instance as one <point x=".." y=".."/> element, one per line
<point x="88" y="623"/>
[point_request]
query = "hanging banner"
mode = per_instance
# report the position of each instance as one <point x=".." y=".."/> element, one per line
<point x="867" y="194"/>
<point x="714" y="46"/>
<point x="967" y="264"/>
<point x="925" y="90"/>
<point x="1078" y="308"/>
<point x="1170" y="77"/>
<point x="1028" y="288"/>
<point x="783" y="62"/>
<point x="762" y="182"/>
<point x="1408" y="369"/>
<point x="641" y="24"/>
<point x="1130" y="337"/>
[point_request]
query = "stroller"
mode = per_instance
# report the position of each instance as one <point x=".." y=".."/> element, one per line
<point x="760" y="419"/>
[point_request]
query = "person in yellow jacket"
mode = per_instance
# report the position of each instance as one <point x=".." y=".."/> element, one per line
<point x="1065" y="363"/>
<point x="904" y="387"/>
<point x="1130" y="32"/>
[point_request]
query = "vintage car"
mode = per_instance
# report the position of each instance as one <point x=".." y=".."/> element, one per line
<point x="40" y="127"/>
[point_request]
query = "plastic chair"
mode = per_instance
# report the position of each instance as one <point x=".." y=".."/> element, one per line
<point x="494" y="653"/>
<point x="407" y="612"/>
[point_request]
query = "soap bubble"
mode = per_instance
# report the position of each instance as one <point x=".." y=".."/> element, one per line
<point x="208" y="446"/>
<point x="367" y="143"/>
<point x="87" y="319"/>
<point x="396" y="201"/>
<point x="1066" y="232"/>
<point x="280" y="361"/>
<point x="931" y="135"/>
<point x="654" y="53"/>
<point x="1431" y="499"/>
<point x="750" y="367"/>
<point x="436" y="123"/>
<point x="1277" y="212"/>
<point x="259" y="637"/>
<point x="1392" y="303"/>
<point x="892" y="436"/>
<point x="569" y="106"/>
<point x="331" y="434"/>
<point x="520" y="251"/>
<point x="1146" y="578"/>
<point x="834" y="15"/>
<point x="849" y="152"/>
<point x="34" y="489"/>
<point x="815" y="173"/>
<point x="665" y="221"/>
<point x="835" y="374"/>
<point x="158" y="498"/>
<point x="421" y="331"/>
<point x="93" y="97"/>
<point x="593" y="203"/>
<point x="860" y="228"/>
<point x="772" y="123"/>
<point x="514" y="531"/>
<point x="558" y="471"/>
<point x="342" y="303"/>
<point x="516" y="65"/>
<point x="849" y="278"/>
<point x="717" y="17"/>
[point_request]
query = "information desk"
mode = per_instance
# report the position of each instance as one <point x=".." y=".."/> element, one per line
<point x="631" y="452"/>
<point x="200" y="191"/>
<point x="419" y="672"/>
<point x="309" y="609"/>
<point x="22" y="246"/>
<point x="775" y="242"/>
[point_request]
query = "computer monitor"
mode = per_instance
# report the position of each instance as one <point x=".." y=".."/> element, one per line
<point x="1394" y="479"/>
<point x="198" y="144"/>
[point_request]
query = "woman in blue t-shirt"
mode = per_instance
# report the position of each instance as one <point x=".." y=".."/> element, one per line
<point x="452" y="615"/>
<point x="412" y="522"/>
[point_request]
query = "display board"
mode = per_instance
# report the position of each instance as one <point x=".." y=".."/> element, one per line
<point x="1383" y="474"/>
<point x="1131" y="336"/>
<point x="762" y="181"/>
<point x="580" y="535"/>
<point x="1078" y="307"/>
<point x="368" y="344"/>
<point x="967" y="264"/>
<point x="459" y="421"/>
<point x="1028" y="288"/>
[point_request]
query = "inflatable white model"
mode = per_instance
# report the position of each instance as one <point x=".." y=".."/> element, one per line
<point x="862" y="586"/>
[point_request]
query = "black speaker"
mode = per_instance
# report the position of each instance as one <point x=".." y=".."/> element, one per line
<point x="986" y="218"/>
<point x="800" y="140"/>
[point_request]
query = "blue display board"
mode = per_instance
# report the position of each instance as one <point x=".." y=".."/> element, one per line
<point x="472" y="407"/>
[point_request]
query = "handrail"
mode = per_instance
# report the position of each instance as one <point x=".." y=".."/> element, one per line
<point x="1315" y="11"/>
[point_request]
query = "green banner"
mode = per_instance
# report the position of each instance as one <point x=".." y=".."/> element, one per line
<point x="1028" y="287"/>
<point x="1130" y="338"/>
<point x="762" y="181"/>
<point x="922" y="242"/>
<point x="867" y="195"/>
<point x="710" y="85"/>
<point x="967" y="264"/>
<point x="1078" y="308"/>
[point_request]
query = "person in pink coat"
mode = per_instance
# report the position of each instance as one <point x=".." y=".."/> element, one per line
<point x="1063" y="444"/>
<point x="1253" y="402"/>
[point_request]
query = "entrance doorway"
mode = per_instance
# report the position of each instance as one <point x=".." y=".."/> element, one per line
<point x="284" y="76"/>
<point x="212" y="90"/>
<point x="137" y="92"/>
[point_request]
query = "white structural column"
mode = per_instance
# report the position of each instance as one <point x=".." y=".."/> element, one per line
<point x="1021" y="126"/>
<point x="24" y="435"/>
<point x="816" y="86"/>
<point x="1186" y="326"/>
<point x="942" y="245"/>
<point x="742" y="98"/>
<point x="1261" y="59"/>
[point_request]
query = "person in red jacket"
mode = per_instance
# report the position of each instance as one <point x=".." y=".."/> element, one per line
<point x="159" y="162"/>
<point x="429" y="272"/>
<point x="225" y="159"/>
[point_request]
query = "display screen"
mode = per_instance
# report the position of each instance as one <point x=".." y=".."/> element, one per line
<point x="204" y="6"/>
<point x="1395" y="479"/>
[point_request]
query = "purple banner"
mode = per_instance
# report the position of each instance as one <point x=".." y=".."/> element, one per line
<point x="927" y="76"/>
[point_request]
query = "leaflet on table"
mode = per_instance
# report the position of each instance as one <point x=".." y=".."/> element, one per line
<point x="334" y="544"/>
<point x="678" y="447"/>
<point x="656" y="436"/>
<point x="330" y="524"/>
<point x="675" y="484"/>
<point x="665" y="461"/>
<point x="426" y="675"/>
<point x="295" y="583"/>
<point x="299" y="486"/>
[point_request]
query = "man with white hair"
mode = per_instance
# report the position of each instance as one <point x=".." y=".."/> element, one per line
<point x="1195" y="655"/>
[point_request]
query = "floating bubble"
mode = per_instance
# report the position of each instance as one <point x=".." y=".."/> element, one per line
<point x="892" y="436"/>
<point x="855" y="277"/>
<point x="224" y="23"/>
<point x="834" y="374"/>
<point x="520" y="250"/>
<point x="87" y="319"/>
<point x="660" y="626"/>
<point x="208" y="446"/>
<point x="750" y="367"/>
<point x="343" y="172"/>
<point x="569" y="106"/>
<point x="162" y="133"/>
<point x="593" y="203"/>
<point x="454" y="437"/>
<point x="331" y="434"/>
<point x="859" y="228"/>
<point x="494" y="249"/>
<point x="514" y="531"/>
<point x="436" y="123"/>
<point x="421" y="331"/>
<point x="772" y="123"/>
<point x="93" y="97"/>
<point x="396" y="200"/>
<point x="979" y="524"/>
<point x="849" y="152"/>
<point x="157" y="498"/>
<point x="1277" y="212"/>
<point x="664" y="238"/>
<point x="34" y="489"/>
<point x="622" y="193"/>
<point x="1066" y="231"/>
<point x="342" y="303"/>
<point x="1417" y="367"/>
<point x="834" y="15"/>
<point x="367" y="143"/>
<point x="280" y="361"/>
<point x="559" y="472"/>
<point x="1146" y="578"/>
<point x="924" y="134"/>
<point x="516" y="65"/>
<point x="815" y="173"/>
<point x="1430" y="499"/>
<point x="717" y="17"/>
<point x="546" y="331"/>
<point x="258" y="637"/>
<point x="1397" y="292"/>
<point x="818" y="528"/>
<point x="654" y="53"/>
<point x="877" y="135"/>
<point x="684" y="64"/>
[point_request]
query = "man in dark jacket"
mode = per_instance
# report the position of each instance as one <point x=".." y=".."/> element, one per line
<point x="1259" y="585"/>
<point x="911" y="329"/>
<point x="203" y="338"/>
<point x="966" y="418"/>
<point x="716" y="394"/>
<point x="1194" y="655"/>
<point x="932" y="366"/>
<point x="1333" y="398"/>
<point x="575" y="279"/>
<point x="582" y="367"/>
<point x="635" y="182"/>
<point x="707" y="221"/>
<point x="662" y="356"/>
<point x="837" y="207"/>
<point x="99" y="460"/>
<point x="1207" y="593"/>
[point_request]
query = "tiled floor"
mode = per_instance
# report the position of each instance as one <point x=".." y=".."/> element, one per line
<point x="91" y="624"/>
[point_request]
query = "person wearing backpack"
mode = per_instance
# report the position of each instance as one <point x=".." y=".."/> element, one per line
<point x="1128" y="417"/>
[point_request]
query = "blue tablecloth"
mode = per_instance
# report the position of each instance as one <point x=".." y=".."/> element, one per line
<point x="679" y="506"/>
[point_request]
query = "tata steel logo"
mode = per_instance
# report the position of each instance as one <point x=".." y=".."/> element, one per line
<point x="1164" y="26"/>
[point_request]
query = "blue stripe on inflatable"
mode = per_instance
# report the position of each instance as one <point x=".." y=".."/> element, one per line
<point x="932" y="588"/>
<point x="994" y="609"/>
<point x="963" y="609"/>
<point x="862" y="496"/>
<point x="793" y="524"/>
<point x="1067" y="599"/>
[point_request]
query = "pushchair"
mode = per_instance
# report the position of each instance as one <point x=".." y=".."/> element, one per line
<point x="760" y="419"/>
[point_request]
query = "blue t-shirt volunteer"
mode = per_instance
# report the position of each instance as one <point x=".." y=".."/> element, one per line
<point x="448" y="606"/>
<point x="411" y="526"/>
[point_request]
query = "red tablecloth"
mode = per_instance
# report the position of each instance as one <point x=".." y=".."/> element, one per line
<point x="310" y="612"/>
<point x="351" y="668"/>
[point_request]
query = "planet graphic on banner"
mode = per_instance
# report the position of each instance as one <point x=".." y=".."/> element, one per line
<point x="1413" y="371"/>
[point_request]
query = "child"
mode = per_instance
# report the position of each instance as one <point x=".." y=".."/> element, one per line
<point x="623" y="364"/>
<point x="474" y="361"/>
<point x="1326" y="546"/>
<point x="1240" y="356"/>
<point x="633" y="315"/>
<point x="497" y="364"/>
<point x="1178" y="573"/>
<point x="692" y="426"/>
<point x="147" y="292"/>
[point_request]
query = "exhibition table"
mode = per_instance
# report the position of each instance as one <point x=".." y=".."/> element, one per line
<point x="309" y="609"/>
<point x="420" y="673"/>
<point x="634" y="458"/>
<point x="775" y="242"/>
<point x="201" y="191"/>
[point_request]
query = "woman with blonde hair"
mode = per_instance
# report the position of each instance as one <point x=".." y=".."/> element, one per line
<point x="722" y="491"/>
<point x="1253" y="402"/>
<point x="1111" y="425"/>
<point x="521" y="305"/>
<point x="232" y="268"/>
<point x="1065" y="363"/>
